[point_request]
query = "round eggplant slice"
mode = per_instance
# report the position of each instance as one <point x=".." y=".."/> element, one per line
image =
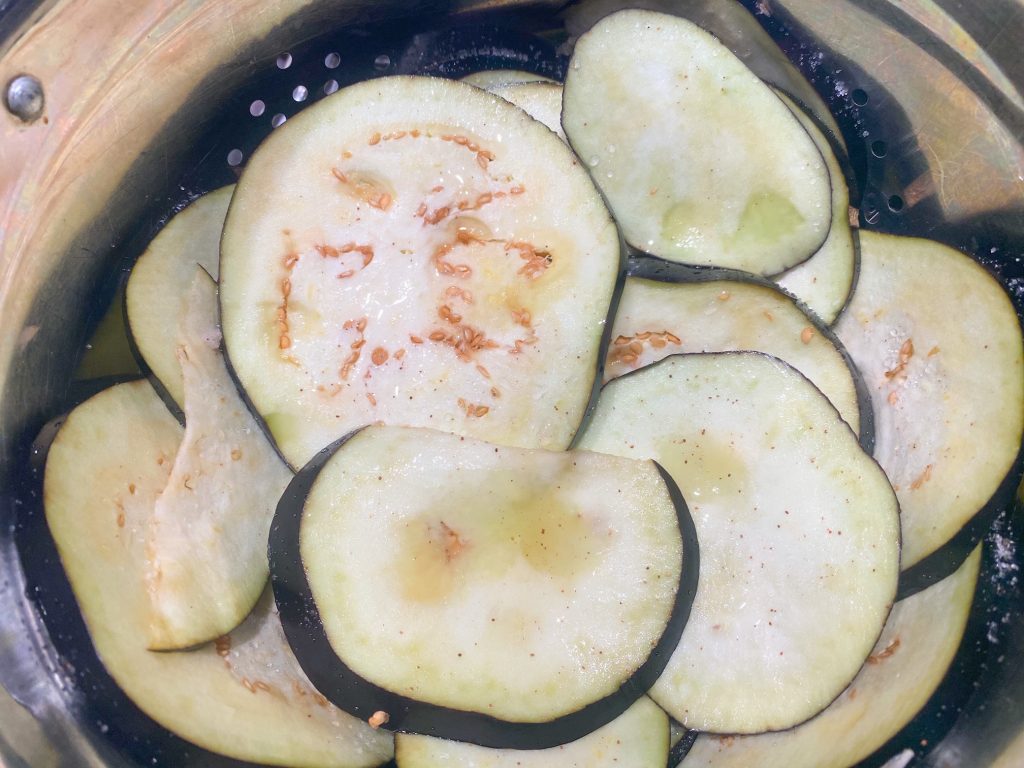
<point x="656" y="319"/>
<point x="540" y="100"/>
<point x="939" y="345"/>
<point x="638" y="738"/>
<point x="160" y="279"/>
<point x="738" y="29"/>
<point x="908" y="663"/>
<point x="206" y="545"/>
<point x="702" y="163"/>
<point x="244" y="696"/>
<point x="454" y="588"/>
<point x="417" y="251"/>
<point x="799" y="534"/>
<point x="825" y="281"/>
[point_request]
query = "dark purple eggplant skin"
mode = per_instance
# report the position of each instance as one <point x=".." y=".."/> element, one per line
<point x="338" y="683"/>
<point x="646" y="267"/>
<point x="946" y="559"/>
<point x="681" y="749"/>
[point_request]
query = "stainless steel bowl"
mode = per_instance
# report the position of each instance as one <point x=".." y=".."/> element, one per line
<point x="118" y="112"/>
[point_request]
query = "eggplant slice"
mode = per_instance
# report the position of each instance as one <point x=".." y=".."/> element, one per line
<point x="540" y="100"/>
<point x="799" y="534"/>
<point x="739" y="30"/>
<point x="417" y="251"/>
<point x="160" y="279"/>
<point x="489" y="79"/>
<point x="825" y="281"/>
<point x="244" y="696"/>
<point x="656" y="319"/>
<point x="454" y="588"/>
<point x="206" y="543"/>
<point x="938" y="343"/>
<point x="638" y="738"/>
<point x="909" y="661"/>
<point x="699" y="160"/>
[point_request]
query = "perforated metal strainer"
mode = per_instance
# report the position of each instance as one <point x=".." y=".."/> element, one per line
<point x="117" y="113"/>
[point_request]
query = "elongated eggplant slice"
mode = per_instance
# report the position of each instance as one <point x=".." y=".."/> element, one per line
<point x="456" y="270"/>
<point x="638" y="738"/>
<point x="461" y="590"/>
<point x="908" y="663"/>
<point x="702" y="163"/>
<point x="540" y="100"/>
<point x="160" y="279"/>
<point x="939" y="345"/>
<point x="245" y="696"/>
<point x="656" y="319"/>
<point x="799" y="534"/>
<point x="825" y="281"/>
<point x="206" y="546"/>
<point x="489" y="79"/>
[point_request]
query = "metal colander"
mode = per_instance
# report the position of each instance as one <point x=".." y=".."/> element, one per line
<point x="118" y="113"/>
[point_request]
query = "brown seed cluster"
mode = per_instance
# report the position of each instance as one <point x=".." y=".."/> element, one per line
<point x="356" y="346"/>
<point x="628" y="349"/>
<point x="464" y="339"/>
<point x="284" y="339"/>
<point x="537" y="260"/>
<point x="370" y="192"/>
<point x="336" y="252"/>
<point x="473" y="410"/>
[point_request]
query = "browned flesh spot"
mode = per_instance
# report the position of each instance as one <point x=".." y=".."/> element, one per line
<point x="906" y="352"/>
<point x="453" y="543"/>
<point x="223" y="645"/>
<point x="885" y="653"/>
<point x="923" y="478"/>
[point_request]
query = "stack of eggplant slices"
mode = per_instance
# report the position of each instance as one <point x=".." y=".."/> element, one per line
<point x="481" y="439"/>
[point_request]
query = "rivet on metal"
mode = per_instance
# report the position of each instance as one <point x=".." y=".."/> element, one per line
<point x="24" y="98"/>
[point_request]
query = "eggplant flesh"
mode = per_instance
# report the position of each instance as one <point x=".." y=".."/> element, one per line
<point x="540" y="100"/>
<point x="824" y="283"/>
<point x="206" y="542"/>
<point x="702" y="163"/>
<point x="243" y="696"/>
<point x="159" y="281"/>
<point x="939" y="344"/>
<point x="463" y="281"/>
<point x="658" y="318"/>
<point x="638" y="738"/>
<point x="907" y="664"/>
<point x="472" y="592"/>
<point x="799" y="534"/>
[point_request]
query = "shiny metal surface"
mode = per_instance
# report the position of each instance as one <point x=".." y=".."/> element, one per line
<point x="130" y="86"/>
<point x="24" y="98"/>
